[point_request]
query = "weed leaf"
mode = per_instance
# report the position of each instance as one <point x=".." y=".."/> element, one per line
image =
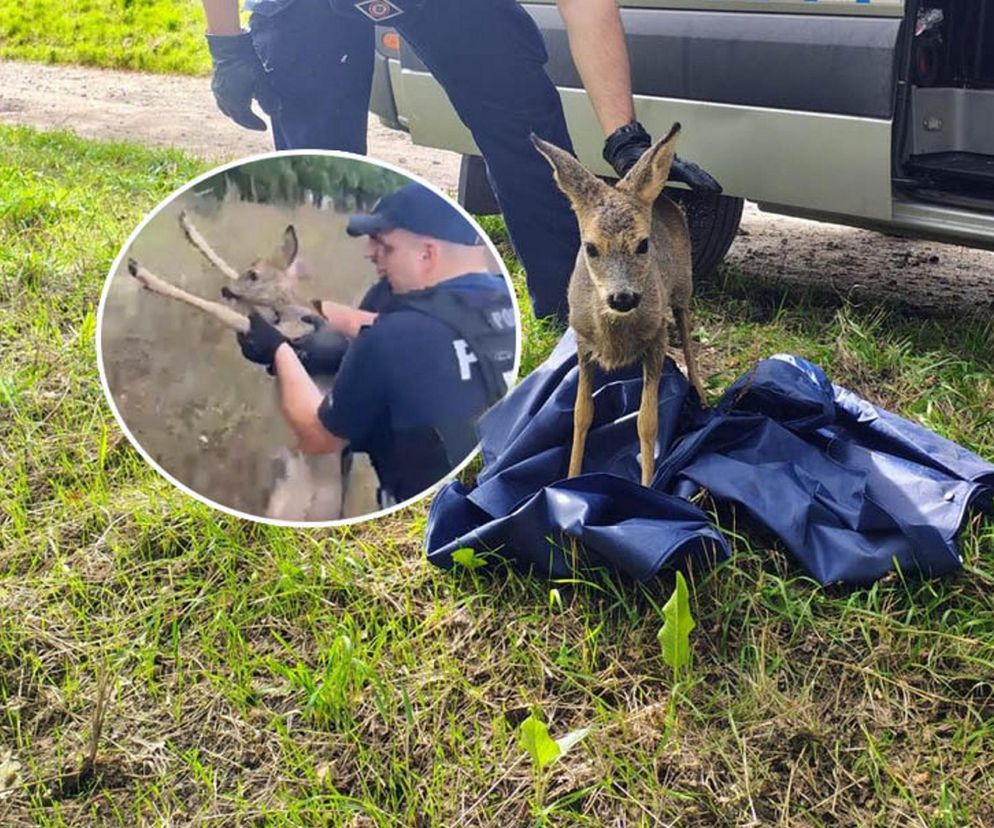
<point x="468" y="558"/>
<point x="570" y="739"/>
<point x="535" y="739"/>
<point x="674" y="636"/>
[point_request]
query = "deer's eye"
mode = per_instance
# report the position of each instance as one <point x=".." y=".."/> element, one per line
<point x="592" y="250"/>
<point x="643" y="247"/>
<point x="253" y="276"/>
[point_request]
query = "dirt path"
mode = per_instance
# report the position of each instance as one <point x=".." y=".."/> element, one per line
<point x="178" y="111"/>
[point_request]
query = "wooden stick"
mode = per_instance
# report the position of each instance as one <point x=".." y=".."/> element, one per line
<point x="222" y="313"/>
<point x="198" y="241"/>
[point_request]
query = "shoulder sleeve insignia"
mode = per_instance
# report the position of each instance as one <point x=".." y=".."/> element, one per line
<point x="379" y="10"/>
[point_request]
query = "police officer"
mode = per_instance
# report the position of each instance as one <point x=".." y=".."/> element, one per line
<point x="434" y="357"/>
<point x="309" y="65"/>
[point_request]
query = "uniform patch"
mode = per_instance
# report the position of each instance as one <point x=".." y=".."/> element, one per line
<point x="465" y="357"/>
<point x="379" y="10"/>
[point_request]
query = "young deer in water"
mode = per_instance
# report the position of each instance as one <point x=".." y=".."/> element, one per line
<point x="633" y="272"/>
<point x="310" y="487"/>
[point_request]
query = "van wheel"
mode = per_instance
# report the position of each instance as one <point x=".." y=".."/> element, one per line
<point x="713" y="222"/>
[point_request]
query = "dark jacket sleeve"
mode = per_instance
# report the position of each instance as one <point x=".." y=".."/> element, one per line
<point x="359" y="400"/>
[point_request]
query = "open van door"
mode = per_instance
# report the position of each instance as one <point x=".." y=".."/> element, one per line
<point x="946" y="145"/>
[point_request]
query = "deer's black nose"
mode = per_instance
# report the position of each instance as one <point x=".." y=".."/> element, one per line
<point x="624" y="301"/>
<point x="227" y="294"/>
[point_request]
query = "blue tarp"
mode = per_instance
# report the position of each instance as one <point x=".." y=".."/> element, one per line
<point x="847" y="487"/>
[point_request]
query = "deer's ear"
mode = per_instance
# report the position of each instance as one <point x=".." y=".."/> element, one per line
<point x="299" y="270"/>
<point x="647" y="178"/>
<point x="290" y="246"/>
<point x="580" y="186"/>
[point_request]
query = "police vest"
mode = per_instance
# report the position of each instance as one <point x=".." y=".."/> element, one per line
<point x="488" y="329"/>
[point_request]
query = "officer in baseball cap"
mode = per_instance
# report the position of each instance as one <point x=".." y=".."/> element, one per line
<point x="437" y="352"/>
<point x="417" y="210"/>
<point x="412" y="208"/>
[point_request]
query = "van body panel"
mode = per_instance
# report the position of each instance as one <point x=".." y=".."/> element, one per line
<point x="915" y="219"/>
<point x="760" y="154"/>
<point x="946" y="223"/>
<point x="862" y="8"/>
<point x="840" y="64"/>
<point x="752" y="92"/>
<point x="402" y="105"/>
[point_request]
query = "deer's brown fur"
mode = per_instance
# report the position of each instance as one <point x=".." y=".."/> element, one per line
<point x="632" y="276"/>
<point x="269" y="286"/>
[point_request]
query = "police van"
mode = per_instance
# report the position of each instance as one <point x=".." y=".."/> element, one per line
<point x="872" y="113"/>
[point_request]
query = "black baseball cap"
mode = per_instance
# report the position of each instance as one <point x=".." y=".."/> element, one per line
<point x="416" y="209"/>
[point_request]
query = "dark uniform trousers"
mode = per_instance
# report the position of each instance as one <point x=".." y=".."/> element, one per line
<point x="489" y="57"/>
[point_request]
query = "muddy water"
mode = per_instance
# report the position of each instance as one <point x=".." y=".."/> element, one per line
<point x="205" y="414"/>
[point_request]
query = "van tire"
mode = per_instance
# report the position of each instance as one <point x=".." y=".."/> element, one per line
<point x="713" y="222"/>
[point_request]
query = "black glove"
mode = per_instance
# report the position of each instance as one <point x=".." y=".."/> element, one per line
<point x="626" y="144"/>
<point x="238" y="78"/>
<point x="322" y="350"/>
<point x="259" y="344"/>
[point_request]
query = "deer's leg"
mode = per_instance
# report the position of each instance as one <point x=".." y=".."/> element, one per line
<point x="222" y="313"/>
<point x="308" y="489"/>
<point x="198" y="241"/>
<point x="682" y="317"/>
<point x="648" y="416"/>
<point x="290" y="495"/>
<point x="583" y="412"/>
<point x="327" y="494"/>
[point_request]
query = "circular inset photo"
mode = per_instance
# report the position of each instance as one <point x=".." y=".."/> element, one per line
<point x="307" y="338"/>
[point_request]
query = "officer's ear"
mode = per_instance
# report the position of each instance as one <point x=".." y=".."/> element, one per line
<point x="429" y="252"/>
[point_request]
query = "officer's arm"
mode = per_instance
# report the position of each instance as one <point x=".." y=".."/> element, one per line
<point x="597" y="43"/>
<point x="222" y="17"/>
<point x="300" y="399"/>
<point x="344" y="319"/>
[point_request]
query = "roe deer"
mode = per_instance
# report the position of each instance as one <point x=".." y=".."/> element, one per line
<point x="310" y="487"/>
<point x="633" y="271"/>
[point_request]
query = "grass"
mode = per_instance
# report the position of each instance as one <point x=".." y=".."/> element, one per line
<point x="261" y="676"/>
<point x="163" y="36"/>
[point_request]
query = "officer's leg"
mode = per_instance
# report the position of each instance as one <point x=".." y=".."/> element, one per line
<point x="321" y="65"/>
<point x="489" y="56"/>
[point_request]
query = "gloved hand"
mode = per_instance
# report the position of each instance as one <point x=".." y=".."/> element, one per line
<point x="238" y="78"/>
<point x="626" y="144"/>
<point x="322" y="350"/>
<point x="259" y="344"/>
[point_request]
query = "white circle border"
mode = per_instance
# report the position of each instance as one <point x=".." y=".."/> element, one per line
<point x="126" y="247"/>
